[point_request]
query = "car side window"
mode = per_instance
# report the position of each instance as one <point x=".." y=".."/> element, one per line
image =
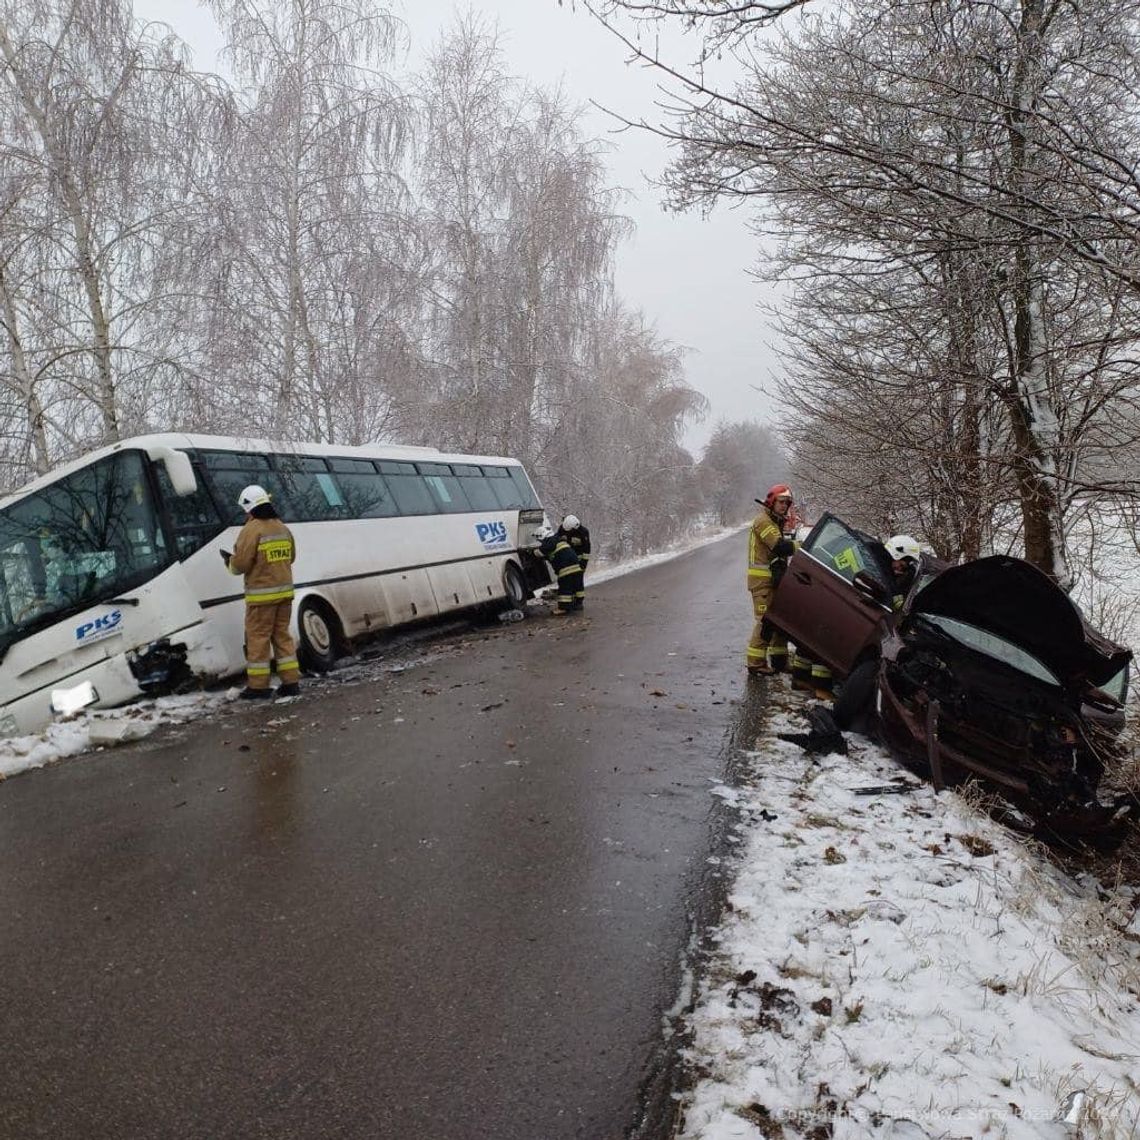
<point x="848" y="552"/>
<point x="1117" y="686"/>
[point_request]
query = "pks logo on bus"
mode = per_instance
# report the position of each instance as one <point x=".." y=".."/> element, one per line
<point x="102" y="626"/>
<point x="491" y="534"/>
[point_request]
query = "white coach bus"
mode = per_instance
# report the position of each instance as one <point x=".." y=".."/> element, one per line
<point x="111" y="582"/>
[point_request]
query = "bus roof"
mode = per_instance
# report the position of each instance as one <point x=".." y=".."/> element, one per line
<point x="181" y="442"/>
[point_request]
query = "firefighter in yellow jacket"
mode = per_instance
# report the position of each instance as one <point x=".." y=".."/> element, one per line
<point x="768" y="549"/>
<point x="264" y="553"/>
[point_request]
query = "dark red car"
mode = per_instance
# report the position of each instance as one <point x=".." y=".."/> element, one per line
<point x="988" y="668"/>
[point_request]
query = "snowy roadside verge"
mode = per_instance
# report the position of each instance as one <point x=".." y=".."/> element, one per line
<point x="899" y="965"/>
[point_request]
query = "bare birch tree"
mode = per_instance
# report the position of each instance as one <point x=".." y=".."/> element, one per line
<point x="26" y="446"/>
<point x="740" y="462"/>
<point x="531" y="353"/>
<point x="94" y="117"/>
<point x="612" y="447"/>
<point x="722" y="24"/>
<point x="312" y="239"/>
<point x="526" y="231"/>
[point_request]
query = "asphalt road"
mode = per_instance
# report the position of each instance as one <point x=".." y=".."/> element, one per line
<point x="447" y="902"/>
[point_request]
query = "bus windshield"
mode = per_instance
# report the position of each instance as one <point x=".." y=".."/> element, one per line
<point x="80" y="540"/>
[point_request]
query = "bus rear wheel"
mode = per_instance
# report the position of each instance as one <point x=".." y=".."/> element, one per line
<point x="517" y="590"/>
<point x="320" y="636"/>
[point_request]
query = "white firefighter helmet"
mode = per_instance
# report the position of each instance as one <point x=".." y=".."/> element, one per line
<point x="253" y="496"/>
<point x="902" y="547"/>
<point x="543" y="532"/>
<point x="571" y="522"/>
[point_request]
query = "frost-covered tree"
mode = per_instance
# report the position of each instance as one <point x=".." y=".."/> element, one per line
<point x="612" y="449"/>
<point x="986" y="143"/>
<point x="311" y="244"/>
<point x="525" y="230"/>
<point x="97" y="117"/>
<point x="740" y="462"/>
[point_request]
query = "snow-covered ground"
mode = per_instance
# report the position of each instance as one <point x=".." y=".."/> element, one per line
<point x="890" y="965"/>
<point x="898" y="965"/>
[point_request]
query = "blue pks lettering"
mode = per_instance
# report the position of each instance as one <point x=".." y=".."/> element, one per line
<point x="98" y="627"/>
<point x="492" y="533"/>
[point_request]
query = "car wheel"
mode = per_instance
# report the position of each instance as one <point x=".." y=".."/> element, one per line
<point x="320" y="636"/>
<point x="517" y="590"/>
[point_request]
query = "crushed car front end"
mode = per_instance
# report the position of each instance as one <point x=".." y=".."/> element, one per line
<point x="992" y="672"/>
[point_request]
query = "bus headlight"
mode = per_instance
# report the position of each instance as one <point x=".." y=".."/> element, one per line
<point x="68" y="702"/>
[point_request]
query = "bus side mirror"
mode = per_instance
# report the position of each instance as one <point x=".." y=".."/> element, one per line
<point x="178" y="468"/>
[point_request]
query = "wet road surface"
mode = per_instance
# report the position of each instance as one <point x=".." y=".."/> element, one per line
<point x="448" y="902"/>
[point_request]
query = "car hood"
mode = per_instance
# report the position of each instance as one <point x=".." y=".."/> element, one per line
<point x="1013" y="599"/>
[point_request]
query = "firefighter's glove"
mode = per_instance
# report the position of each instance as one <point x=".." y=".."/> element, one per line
<point x="783" y="548"/>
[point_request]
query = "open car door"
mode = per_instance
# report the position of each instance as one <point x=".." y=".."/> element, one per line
<point x="835" y="598"/>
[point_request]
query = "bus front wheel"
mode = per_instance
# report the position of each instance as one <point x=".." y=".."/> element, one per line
<point x="517" y="590"/>
<point x="320" y="638"/>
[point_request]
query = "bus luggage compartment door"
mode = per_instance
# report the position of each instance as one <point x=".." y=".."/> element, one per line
<point x="409" y="596"/>
<point x="451" y="586"/>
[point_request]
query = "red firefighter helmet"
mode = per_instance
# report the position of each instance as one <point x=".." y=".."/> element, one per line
<point x="779" y="491"/>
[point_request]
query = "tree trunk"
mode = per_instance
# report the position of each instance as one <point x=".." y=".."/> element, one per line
<point x="968" y="494"/>
<point x="1032" y="417"/>
<point x="25" y="382"/>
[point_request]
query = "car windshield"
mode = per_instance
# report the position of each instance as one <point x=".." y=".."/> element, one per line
<point x="992" y="646"/>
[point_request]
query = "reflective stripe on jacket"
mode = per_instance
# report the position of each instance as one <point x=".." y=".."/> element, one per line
<point x="561" y="556"/>
<point x="579" y="539"/>
<point x="766" y="532"/>
<point x="264" y="553"/>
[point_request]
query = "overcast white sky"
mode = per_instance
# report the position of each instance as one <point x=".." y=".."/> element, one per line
<point x="689" y="275"/>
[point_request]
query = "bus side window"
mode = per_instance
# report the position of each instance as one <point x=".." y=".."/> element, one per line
<point x="315" y="496"/>
<point x="527" y="498"/>
<point x="366" y="495"/>
<point x="508" y="493"/>
<point x="444" y="487"/>
<point x="312" y="493"/>
<point x="228" y="485"/>
<point x="193" y="518"/>
<point x="477" y="487"/>
<point x="230" y="472"/>
<point x="408" y="488"/>
<point x="307" y="500"/>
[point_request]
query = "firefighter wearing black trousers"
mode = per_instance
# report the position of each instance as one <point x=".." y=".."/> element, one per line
<point x="572" y="530"/>
<point x="567" y="569"/>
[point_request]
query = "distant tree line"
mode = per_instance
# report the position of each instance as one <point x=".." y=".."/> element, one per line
<point x="313" y="250"/>
<point x="955" y="191"/>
